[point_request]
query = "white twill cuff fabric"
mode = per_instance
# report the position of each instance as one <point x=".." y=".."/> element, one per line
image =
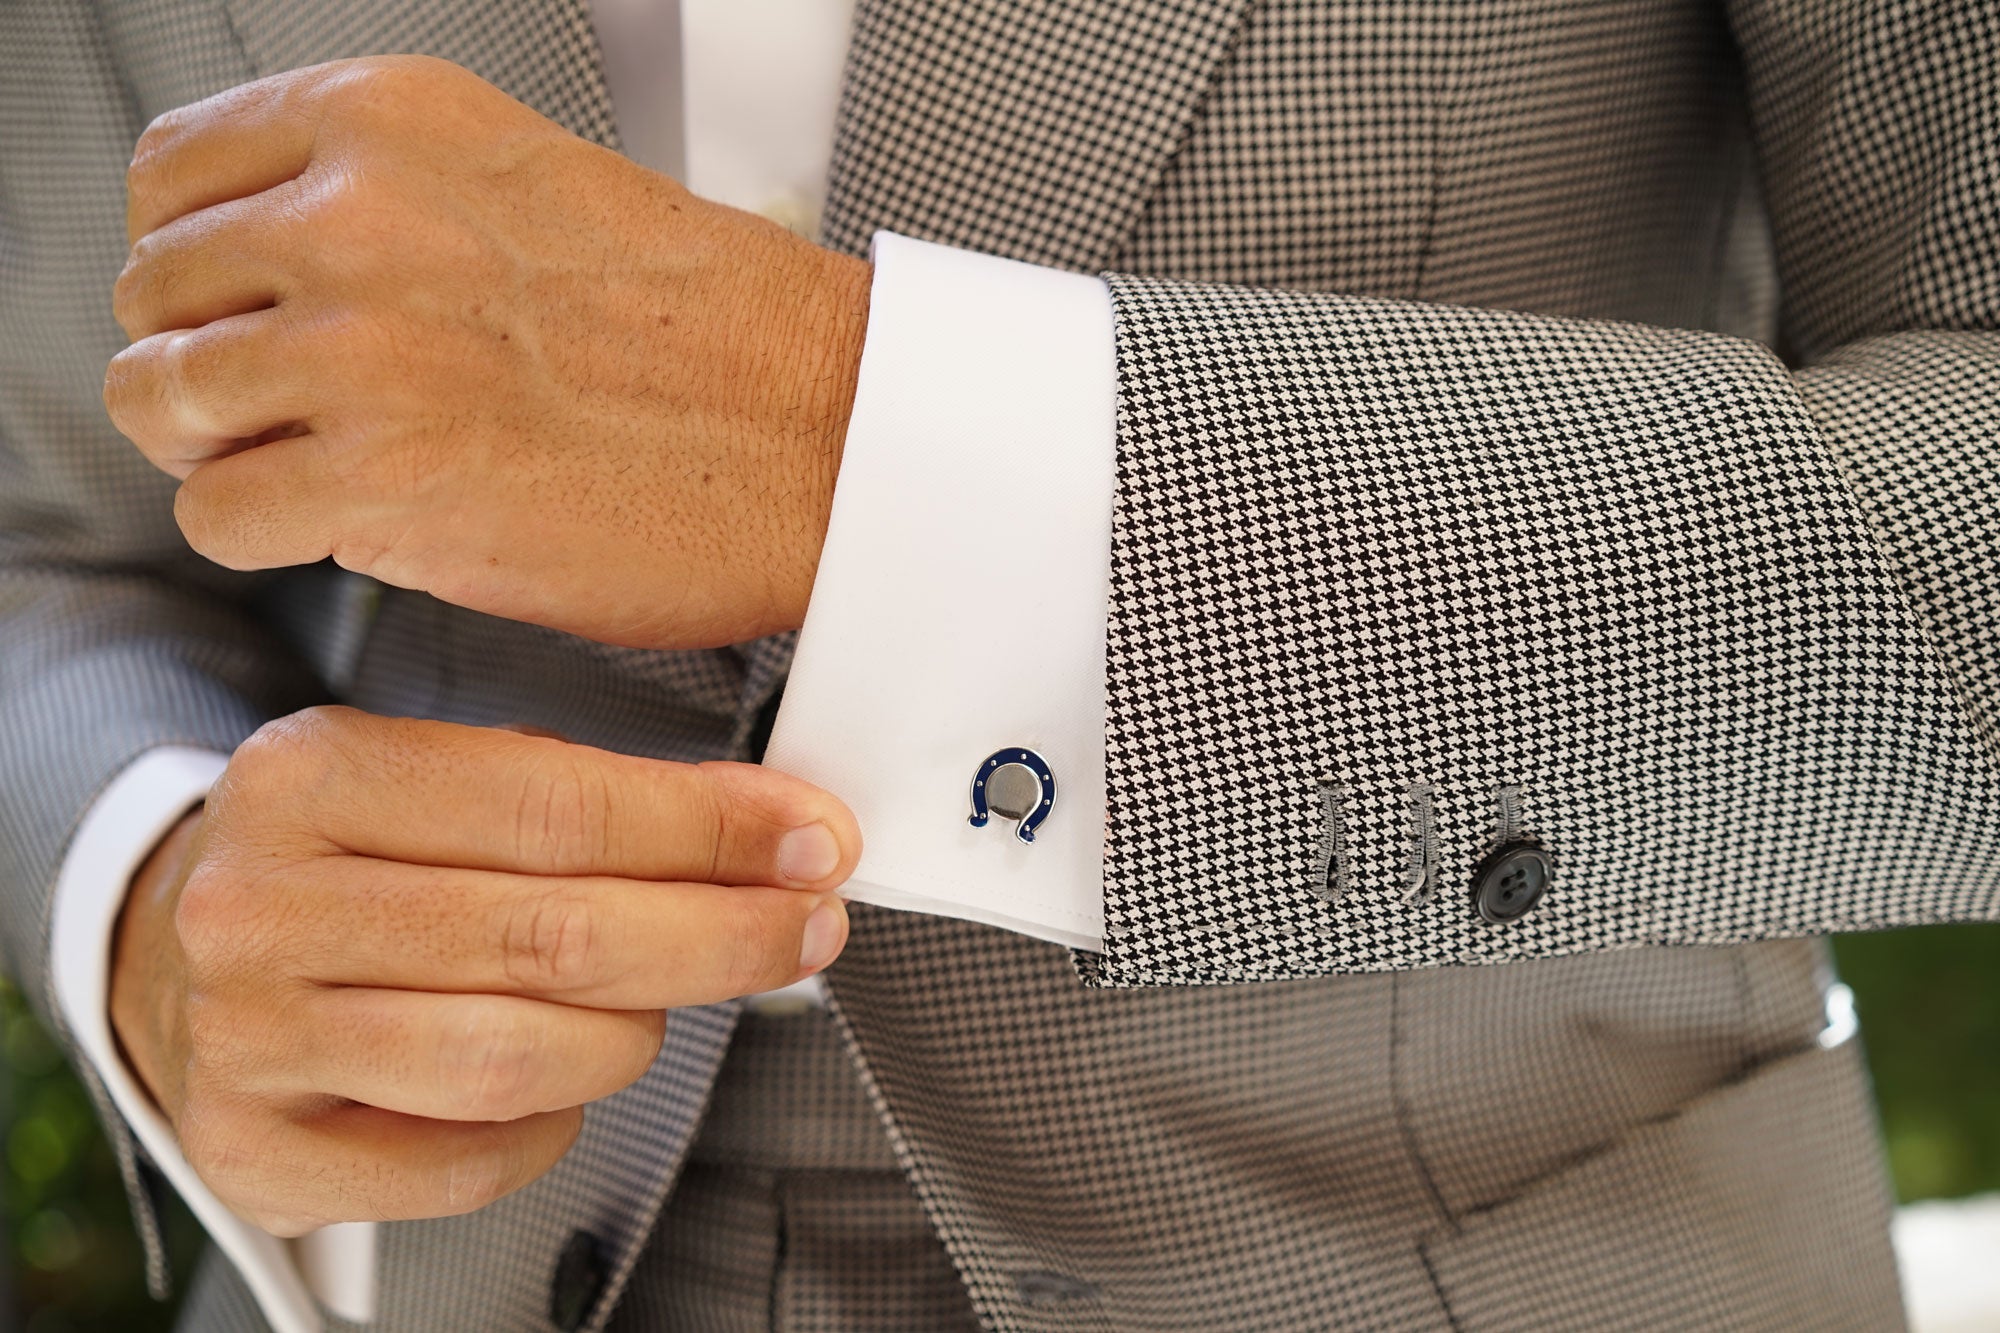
<point x="131" y="815"/>
<point x="960" y="603"/>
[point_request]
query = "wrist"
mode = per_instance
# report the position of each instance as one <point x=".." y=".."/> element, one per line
<point x="147" y="1018"/>
<point x="837" y="329"/>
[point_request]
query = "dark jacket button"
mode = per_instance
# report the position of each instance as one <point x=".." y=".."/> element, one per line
<point x="1509" y="881"/>
<point x="579" y="1281"/>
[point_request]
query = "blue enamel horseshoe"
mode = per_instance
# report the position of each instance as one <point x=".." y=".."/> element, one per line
<point x="1045" y="796"/>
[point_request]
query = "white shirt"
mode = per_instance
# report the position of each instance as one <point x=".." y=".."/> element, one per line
<point x="960" y="601"/>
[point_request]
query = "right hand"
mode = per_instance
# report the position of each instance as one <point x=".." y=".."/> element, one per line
<point x="382" y="971"/>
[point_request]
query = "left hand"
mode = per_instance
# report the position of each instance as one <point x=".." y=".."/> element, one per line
<point x="384" y="313"/>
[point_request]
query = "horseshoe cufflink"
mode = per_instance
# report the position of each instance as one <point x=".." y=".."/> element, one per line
<point x="1016" y="784"/>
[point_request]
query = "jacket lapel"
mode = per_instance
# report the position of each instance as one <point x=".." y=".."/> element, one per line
<point x="1032" y="129"/>
<point x="543" y="52"/>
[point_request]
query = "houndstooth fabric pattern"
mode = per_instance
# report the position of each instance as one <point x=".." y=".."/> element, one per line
<point x="1364" y="1182"/>
<point x="1714" y="626"/>
<point x="1365" y="1152"/>
<point x="787" y="1099"/>
<point x="748" y="1251"/>
<point x="980" y="148"/>
<point x="791" y="1214"/>
<point x="1391" y="180"/>
<point x="1607" y="566"/>
<point x="1632" y="578"/>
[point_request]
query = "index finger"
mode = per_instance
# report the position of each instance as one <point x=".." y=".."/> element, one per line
<point x="239" y="142"/>
<point x="479" y="798"/>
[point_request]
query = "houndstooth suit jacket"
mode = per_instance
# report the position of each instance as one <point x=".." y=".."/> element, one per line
<point x="1460" y="497"/>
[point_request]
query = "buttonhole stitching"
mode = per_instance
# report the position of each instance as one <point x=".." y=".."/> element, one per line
<point x="1509" y="799"/>
<point x="1330" y="879"/>
<point x="1423" y="844"/>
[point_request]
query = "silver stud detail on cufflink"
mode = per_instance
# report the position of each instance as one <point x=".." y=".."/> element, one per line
<point x="1016" y="784"/>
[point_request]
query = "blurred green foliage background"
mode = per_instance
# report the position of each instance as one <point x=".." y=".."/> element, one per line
<point x="1930" y="1016"/>
<point x="73" y="1261"/>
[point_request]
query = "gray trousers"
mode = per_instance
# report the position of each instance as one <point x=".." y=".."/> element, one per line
<point x="791" y="1213"/>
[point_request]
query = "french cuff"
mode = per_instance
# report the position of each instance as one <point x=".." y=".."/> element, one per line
<point x="960" y="606"/>
<point x="130" y="816"/>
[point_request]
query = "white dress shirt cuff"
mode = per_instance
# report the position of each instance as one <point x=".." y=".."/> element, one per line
<point x="961" y="598"/>
<point x="135" y="810"/>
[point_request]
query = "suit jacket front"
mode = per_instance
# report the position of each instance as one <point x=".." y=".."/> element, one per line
<point x="1459" y="499"/>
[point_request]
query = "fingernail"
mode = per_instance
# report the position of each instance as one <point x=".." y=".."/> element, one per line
<point x="824" y="934"/>
<point x="808" y="855"/>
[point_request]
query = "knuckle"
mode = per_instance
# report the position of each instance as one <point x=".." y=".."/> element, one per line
<point x="316" y="729"/>
<point x="344" y="223"/>
<point x="143" y="255"/>
<point x="225" y="1147"/>
<point x="130" y="294"/>
<point x="202" y="522"/>
<point x="128" y="386"/>
<point x="709" y="807"/>
<point x="341" y="199"/>
<point x="756" y="955"/>
<point x="364" y="83"/>
<point x="206" y="1032"/>
<point x="293" y="750"/>
<point x="268" y="756"/>
<point x="155" y="145"/>
<point x="263" y="756"/>
<point x="275" y="772"/>
<point x="228" y="1050"/>
<point x="194" y="376"/>
<point x="383" y="83"/>
<point x="550" y="943"/>
<point x="370" y="102"/>
<point x="495" y="1167"/>
<point x="204" y="1141"/>
<point x="473" y="1180"/>
<point x="363" y="552"/>
<point x="563" y="810"/>
<point x="487" y="1063"/>
<point x="236" y="1145"/>
<point x="649" y="1036"/>
<point x="209" y="915"/>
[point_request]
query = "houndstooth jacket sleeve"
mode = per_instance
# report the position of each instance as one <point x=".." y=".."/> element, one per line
<point x="1396" y="583"/>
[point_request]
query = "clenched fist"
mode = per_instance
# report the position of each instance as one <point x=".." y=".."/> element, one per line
<point x="379" y="975"/>
<point x="383" y="312"/>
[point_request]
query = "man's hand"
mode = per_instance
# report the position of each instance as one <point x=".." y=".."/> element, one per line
<point x="383" y="312"/>
<point x="379" y="976"/>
